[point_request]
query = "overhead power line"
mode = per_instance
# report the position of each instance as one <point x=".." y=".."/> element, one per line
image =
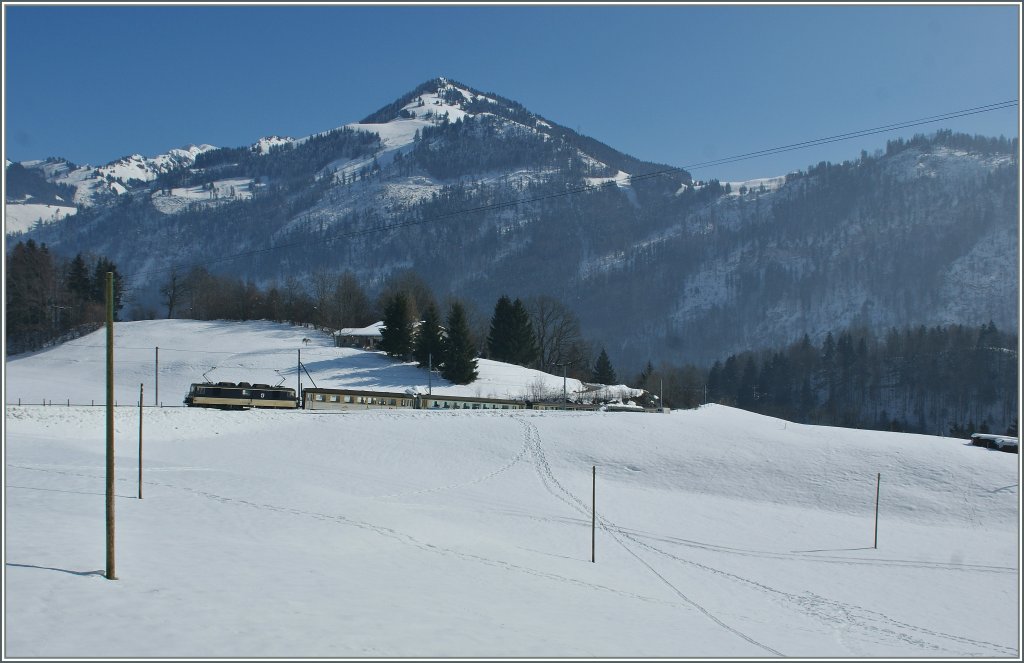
<point x="1010" y="103"/>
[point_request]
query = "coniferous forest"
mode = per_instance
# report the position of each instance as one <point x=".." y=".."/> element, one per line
<point x="943" y="380"/>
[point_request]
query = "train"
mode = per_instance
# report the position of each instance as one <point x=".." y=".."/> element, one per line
<point x="242" y="396"/>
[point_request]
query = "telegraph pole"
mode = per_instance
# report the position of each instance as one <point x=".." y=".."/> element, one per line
<point x="156" y="378"/>
<point x="593" y="511"/>
<point x="140" y="441"/>
<point x="110" y="426"/>
<point x="878" y="488"/>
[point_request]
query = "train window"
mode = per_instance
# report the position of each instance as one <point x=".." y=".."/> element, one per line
<point x="334" y="398"/>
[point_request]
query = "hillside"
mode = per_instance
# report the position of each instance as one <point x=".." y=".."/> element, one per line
<point x="482" y="197"/>
<point x="166" y="356"/>
<point x="386" y="533"/>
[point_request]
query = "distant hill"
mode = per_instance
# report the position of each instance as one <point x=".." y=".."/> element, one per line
<point x="483" y="197"/>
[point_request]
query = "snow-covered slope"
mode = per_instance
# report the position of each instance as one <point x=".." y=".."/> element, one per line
<point x="95" y="184"/>
<point x="19" y="217"/>
<point x="184" y="351"/>
<point x="406" y="533"/>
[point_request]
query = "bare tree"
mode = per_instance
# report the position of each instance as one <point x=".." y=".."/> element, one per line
<point x="174" y="291"/>
<point x="350" y="305"/>
<point x="323" y="288"/>
<point x="557" y="330"/>
<point x="418" y="293"/>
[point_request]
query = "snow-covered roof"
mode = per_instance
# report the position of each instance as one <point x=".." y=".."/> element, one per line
<point x="372" y="330"/>
<point x="999" y="440"/>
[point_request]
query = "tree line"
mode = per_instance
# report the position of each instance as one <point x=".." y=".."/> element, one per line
<point x="49" y="298"/>
<point x="540" y="332"/>
<point x="950" y="380"/>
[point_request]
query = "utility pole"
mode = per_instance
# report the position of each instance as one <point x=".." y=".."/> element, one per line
<point x="156" y="378"/>
<point x="593" y="511"/>
<point x="878" y="488"/>
<point x="565" y="396"/>
<point x="110" y="426"/>
<point x="140" y="441"/>
<point x="298" y="377"/>
<point x="430" y="374"/>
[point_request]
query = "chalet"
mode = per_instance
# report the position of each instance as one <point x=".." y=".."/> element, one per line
<point x="997" y="442"/>
<point x="365" y="338"/>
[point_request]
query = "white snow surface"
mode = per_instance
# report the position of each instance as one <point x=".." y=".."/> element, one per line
<point x="19" y="217"/>
<point x="179" y="198"/>
<point x="393" y="533"/>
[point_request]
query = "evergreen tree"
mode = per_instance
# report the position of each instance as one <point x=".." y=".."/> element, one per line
<point x="499" y="342"/>
<point x="429" y="345"/>
<point x="396" y="336"/>
<point x="459" y="350"/>
<point x="79" y="284"/>
<point x="746" y="392"/>
<point x="523" y="349"/>
<point x="99" y="284"/>
<point x="603" y="371"/>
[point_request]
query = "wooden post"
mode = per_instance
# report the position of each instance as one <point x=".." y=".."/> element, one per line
<point x="593" y="511"/>
<point x="110" y="427"/>
<point x="878" y="488"/>
<point x="140" y="441"/>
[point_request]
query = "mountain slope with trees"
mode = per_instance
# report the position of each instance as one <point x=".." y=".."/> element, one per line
<point x="479" y="197"/>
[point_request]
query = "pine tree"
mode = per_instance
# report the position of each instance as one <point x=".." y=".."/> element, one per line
<point x="603" y="371"/>
<point x="459" y="350"/>
<point x="429" y="345"/>
<point x="79" y="284"/>
<point x="99" y="284"/>
<point x="499" y="341"/>
<point x="523" y="349"/>
<point x="396" y="336"/>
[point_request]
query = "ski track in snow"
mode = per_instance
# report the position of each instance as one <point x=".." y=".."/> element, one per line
<point x="350" y="522"/>
<point x="559" y="491"/>
<point x="840" y="616"/>
<point x="836" y="614"/>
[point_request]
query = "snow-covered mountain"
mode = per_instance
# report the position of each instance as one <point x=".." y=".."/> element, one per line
<point x="385" y="533"/>
<point x="481" y="197"/>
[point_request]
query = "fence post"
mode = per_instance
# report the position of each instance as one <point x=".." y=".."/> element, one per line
<point x="593" y="511"/>
<point x="140" y="441"/>
<point x="878" y="488"/>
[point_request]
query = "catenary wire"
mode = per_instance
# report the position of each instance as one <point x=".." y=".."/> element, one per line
<point x="596" y="187"/>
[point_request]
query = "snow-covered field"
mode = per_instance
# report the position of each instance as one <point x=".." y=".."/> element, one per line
<point x="377" y="533"/>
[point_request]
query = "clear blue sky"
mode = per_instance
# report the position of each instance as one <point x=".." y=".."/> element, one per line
<point x="674" y="84"/>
